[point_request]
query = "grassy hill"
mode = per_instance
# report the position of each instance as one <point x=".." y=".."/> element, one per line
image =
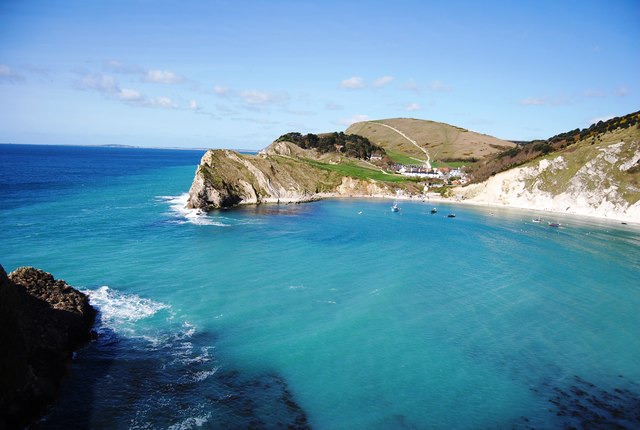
<point x="618" y="129"/>
<point x="595" y="171"/>
<point x="445" y="143"/>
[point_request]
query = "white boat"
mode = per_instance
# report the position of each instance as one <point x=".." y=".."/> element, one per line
<point x="395" y="208"/>
<point x="536" y="219"/>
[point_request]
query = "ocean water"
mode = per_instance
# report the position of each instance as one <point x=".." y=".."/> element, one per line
<point x="328" y="315"/>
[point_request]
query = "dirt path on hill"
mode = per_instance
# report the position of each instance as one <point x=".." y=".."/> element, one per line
<point x="428" y="162"/>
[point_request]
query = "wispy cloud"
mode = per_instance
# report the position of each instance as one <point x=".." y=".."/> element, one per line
<point x="157" y="76"/>
<point x="412" y="107"/>
<point x="115" y="66"/>
<point x="99" y="82"/>
<point x="382" y="81"/>
<point x="162" y="77"/>
<point x="8" y="75"/>
<point x="355" y="118"/>
<point x="109" y="87"/>
<point x="622" y="91"/>
<point x="221" y="91"/>
<point x="440" y="87"/>
<point x="353" y="83"/>
<point x="412" y="86"/>
<point x="256" y="97"/>
<point x="130" y="96"/>
<point x="333" y="106"/>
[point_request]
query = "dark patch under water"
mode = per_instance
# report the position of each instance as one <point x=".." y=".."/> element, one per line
<point x="581" y="404"/>
<point x="120" y="382"/>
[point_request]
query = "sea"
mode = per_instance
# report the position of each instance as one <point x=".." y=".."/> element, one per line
<point x="337" y="314"/>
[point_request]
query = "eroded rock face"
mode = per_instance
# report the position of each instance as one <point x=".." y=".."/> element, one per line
<point x="225" y="178"/>
<point x="592" y="180"/>
<point x="42" y="321"/>
<point x="277" y="175"/>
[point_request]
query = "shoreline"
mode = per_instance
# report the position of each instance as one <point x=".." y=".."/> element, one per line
<point x="621" y="218"/>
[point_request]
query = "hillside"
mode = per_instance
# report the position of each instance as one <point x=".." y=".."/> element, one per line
<point x="595" y="171"/>
<point x="442" y="142"/>
<point x="523" y="153"/>
<point x="285" y="173"/>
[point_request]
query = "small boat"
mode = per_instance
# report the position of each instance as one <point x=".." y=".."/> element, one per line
<point x="451" y="216"/>
<point x="395" y="208"/>
<point x="536" y="220"/>
<point x="554" y="224"/>
<point x="433" y="211"/>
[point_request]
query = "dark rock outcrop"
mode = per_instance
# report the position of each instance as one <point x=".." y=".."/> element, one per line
<point x="42" y="321"/>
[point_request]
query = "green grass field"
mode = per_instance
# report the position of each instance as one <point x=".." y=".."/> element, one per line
<point x="358" y="172"/>
<point x="400" y="158"/>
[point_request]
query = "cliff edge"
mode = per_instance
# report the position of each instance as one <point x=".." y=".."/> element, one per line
<point x="42" y="321"/>
<point x="279" y="174"/>
<point x="598" y="179"/>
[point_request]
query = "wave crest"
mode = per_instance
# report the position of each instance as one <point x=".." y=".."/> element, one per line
<point x="178" y="206"/>
<point x="119" y="310"/>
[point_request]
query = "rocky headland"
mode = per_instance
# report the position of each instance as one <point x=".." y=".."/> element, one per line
<point x="278" y="174"/>
<point x="42" y="321"/>
<point x="589" y="172"/>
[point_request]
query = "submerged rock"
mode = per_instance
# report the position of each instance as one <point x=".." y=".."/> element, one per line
<point x="42" y="321"/>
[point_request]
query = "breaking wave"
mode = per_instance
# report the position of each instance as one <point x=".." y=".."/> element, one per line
<point x="183" y="215"/>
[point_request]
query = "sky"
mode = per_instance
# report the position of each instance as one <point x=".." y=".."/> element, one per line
<point x="238" y="74"/>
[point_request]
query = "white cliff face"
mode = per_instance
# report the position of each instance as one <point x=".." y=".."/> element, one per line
<point x="550" y="185"/>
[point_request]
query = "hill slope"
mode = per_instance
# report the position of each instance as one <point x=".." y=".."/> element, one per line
<point x="597" y="175"/>
<point x="285" y="173"/>
<point x="443" y="142"/>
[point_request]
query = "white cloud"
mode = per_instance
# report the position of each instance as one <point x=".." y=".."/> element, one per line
<point x="162" y="102"/>
<point x="622" y="91"/>
<point x="163" y="77"/>
<point x="128" y="95"/>
<point x="353" y="83"/>
<point x="412" y="107"/>
<point x="355" y="118"/>
<point x="221" y="91"/>
<point x="533" y="101"/>
<point x="440" y="87"/>
<point x="116" y="66"/>
<point x="193" y="105"/>
<point x="98" y="82"/>
<point x="9" y="75"/>
<point x="411" y="85"/>
<point x="256" y="97"/>
<point x="382" y="81"/>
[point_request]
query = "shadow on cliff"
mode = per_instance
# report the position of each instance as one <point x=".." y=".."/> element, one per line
<point x="41" y="322"/>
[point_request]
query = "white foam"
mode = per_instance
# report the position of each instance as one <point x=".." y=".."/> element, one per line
<point x="178" y="206"/>
<point x="191" y="422"/>
<point x="118" y="310"/>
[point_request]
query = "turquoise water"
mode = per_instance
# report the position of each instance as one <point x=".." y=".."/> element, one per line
<point x="328" y="315"/>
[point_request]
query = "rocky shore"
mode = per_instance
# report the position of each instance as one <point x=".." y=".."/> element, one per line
<point x="42" y="321"/>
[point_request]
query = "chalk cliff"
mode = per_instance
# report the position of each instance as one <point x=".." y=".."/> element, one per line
<point x="42" y="321"/>
<point x="599" y="179"/>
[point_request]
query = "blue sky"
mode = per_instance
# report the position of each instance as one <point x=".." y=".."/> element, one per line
<point x="238" y="74"/>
